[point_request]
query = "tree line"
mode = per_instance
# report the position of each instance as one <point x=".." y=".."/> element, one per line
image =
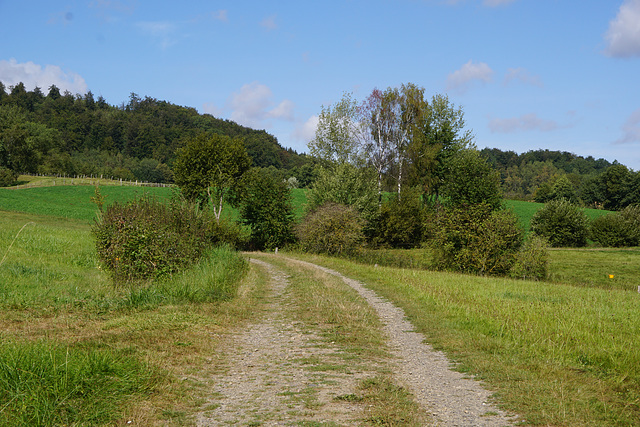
<point x="544" y="175"/>
<point x="66" y="134"/>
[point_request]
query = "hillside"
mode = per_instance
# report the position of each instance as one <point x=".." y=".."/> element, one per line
<point x="66" y="134"/>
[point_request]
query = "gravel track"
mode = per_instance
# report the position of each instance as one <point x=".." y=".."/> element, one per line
<point x="452" y="398"/>
<point x="269" y="384"/>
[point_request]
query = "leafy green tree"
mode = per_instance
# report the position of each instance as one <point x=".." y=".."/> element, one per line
<point x="442" y="134"/>
<point x="470" y="180"/>
<point x="613" y="189"/>
<point x="208" y="167"/>
<point x="346" y="185"/>
<point x="337" y="137"/>
<point x="7" y="177"/>
<point x="563" y="189"/>
<point x="267" y="209"/>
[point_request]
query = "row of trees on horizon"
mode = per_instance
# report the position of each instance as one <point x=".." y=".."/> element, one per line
<point x="404" y="137"/>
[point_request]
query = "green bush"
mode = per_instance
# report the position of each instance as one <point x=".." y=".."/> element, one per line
<point x="144" y="239"/>
<point x="399" y="223"/>
<point x="532" y="261"/>
<point x="562" y="223"/>
<point x="617" y="229"/>
<point x="476" y="239"/>
<point x="7" y="177"/>
<point x="471" y="180"/>
<point x="332" y="229"/>
<point x="347" y="185"/>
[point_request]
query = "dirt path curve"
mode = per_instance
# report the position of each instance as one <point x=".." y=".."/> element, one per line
<point x="269" y="382"/>
<point x="453" y="399"/>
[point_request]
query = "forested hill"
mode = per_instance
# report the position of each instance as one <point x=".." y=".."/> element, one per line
<point x="62" y="133"/>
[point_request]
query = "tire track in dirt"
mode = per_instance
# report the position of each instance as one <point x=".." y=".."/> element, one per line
<point x="452" y="398"/>
<point x="269" y="382"/>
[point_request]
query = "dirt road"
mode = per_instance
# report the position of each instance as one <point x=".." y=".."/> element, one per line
<point x="283" y="370"/>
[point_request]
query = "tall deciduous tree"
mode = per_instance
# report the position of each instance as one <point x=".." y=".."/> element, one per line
<point x="470" y="180"/>
<point x="207" y="168"/>
<point x="378" y="123"/>
<point x="442" y="134"/>
<point x="337" y="137"/>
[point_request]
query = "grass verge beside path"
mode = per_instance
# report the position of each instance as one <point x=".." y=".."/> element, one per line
<point x="77" y="351"/>
<point x="555" y="354"/>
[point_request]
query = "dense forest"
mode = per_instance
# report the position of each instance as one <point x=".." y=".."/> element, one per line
<point x="72" y="134"/>
<point x="67" y="134"/>
<point x="543" y="175"/>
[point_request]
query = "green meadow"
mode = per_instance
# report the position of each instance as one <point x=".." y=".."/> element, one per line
<point x="562" y="352"/>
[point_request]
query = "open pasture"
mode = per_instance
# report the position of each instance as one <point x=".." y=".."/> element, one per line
<point x="558" y="354"/>
<point x="562" y="352"/>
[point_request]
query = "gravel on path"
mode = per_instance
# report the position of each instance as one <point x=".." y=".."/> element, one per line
<point x="452" y="398"/>
<point x="268" y="383"/>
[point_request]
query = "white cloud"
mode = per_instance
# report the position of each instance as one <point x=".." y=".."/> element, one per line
<point x="526" y="122"/>
<point x="496" y="3"/>
<point x="210" y="108"/>
<point x="283" y="111"/>
<point x="523" y="76"/>
<point x="32" y="75"/>
<point x="269" y="23"/>
<point x="623" y="35"/>
<point x="221" y="15"/>
<point x="631" y="129"/>
<point x="252" y="106"/>
<point x="305" y="132"/>
<point x="162" y="31"/>
<point x="461" y="79"/>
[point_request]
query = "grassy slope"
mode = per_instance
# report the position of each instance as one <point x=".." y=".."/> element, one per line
<point x="70" y="201"/>
<point x="526" y="210"/>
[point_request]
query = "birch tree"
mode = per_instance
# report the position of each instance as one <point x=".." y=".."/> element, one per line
<point x="337" y="137"/>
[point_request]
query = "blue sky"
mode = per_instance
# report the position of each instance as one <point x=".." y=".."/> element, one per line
<point x="529" y="74"/>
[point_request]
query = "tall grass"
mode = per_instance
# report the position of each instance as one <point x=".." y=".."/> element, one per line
<point x="47" y="384"/>
<point x="51" y="263"/>
<point x="557" y="354"/>
<point x="108" y="340"/>
<point x="606" y="268"/>
<point x="214" y="278"/>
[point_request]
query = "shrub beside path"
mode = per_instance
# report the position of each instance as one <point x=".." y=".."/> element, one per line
<point x="282" y="372"/>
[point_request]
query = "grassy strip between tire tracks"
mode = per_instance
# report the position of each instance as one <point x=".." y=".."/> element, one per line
<point x="324" y="303"/>
<point x="555" y="354"/>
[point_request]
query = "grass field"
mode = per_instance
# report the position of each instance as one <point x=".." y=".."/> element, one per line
<point x="526" y="210"/>
<point x="559" y="355"/>
<point x="75" y="350"/>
